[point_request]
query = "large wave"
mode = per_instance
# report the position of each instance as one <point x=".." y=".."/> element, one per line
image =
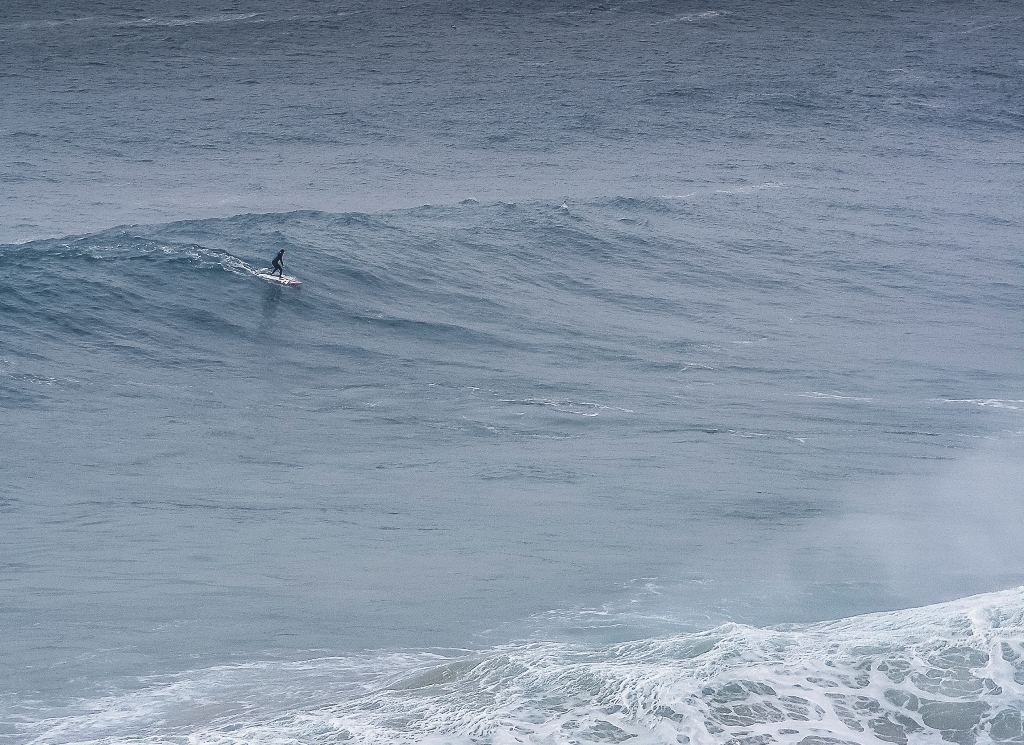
<point x="470" y="414"/>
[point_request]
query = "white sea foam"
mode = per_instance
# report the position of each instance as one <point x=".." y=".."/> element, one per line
<point x="995" y="403"/>
<point x="751" y="188"/>
<point x="834" y="396"/>
<point x="952" y="672"/>
<point x="706" y="15"/>
<point x="580" y="408"/>
<point x="199" y="21"/>
<point x="198" y="467"/>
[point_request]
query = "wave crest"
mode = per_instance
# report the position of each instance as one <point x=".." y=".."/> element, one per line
<point x="951" y="672"/>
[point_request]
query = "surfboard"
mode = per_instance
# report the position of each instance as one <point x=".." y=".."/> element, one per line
<point x="285" y="279"/>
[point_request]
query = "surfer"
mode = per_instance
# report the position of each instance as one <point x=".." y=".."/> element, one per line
<point x="278" y="265"/>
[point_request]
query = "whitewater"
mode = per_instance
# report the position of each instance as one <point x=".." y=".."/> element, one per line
<point x="655" y="375"/>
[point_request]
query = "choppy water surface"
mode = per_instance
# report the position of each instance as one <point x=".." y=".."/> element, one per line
<point x="687" y="410"/>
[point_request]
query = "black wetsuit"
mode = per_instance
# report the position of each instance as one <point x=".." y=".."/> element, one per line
<point x="278" y="266"/>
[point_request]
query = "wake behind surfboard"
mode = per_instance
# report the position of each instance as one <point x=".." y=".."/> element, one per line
<point x="286" y="279"/>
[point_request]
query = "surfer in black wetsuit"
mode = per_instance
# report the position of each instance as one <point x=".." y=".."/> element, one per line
<point x="278" y="265"/>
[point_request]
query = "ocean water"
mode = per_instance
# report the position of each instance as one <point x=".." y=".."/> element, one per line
<point x="655" y="374"/>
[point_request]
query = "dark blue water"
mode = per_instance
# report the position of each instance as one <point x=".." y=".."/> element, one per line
<point x="688" y="406"/>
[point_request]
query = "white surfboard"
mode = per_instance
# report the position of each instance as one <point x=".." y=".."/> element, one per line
<point x="285" y="279"/>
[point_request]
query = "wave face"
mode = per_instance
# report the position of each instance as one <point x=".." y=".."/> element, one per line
<point x="946" y="673"/>
<point x="723" y="345"/>
<point x="638" y="434"/>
